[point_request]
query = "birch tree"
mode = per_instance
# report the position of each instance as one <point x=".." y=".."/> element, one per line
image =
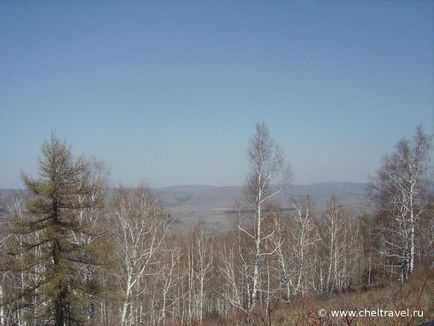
<point x="201" y="257"/>
<point x="266" y="180"/>
<point x="294" y="237"/>
<point x="400" y="194"/>
<point x="334" y="225"/>
<point x="142" y="226"/>
<point x="230" y="269"/>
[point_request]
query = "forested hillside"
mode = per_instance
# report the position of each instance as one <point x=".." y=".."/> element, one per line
<point x="75" y="255"/>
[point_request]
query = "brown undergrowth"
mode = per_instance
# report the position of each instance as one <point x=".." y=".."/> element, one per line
<point x="415" y="295"/>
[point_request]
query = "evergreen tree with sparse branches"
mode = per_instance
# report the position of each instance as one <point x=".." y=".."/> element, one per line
<point x="44" y="248"/>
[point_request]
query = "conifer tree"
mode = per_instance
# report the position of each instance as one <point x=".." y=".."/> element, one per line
<point x="44" y="248"/>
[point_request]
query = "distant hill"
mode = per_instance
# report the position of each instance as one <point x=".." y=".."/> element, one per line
<point x="174" y="196"/>
<point x="215" y="205"/>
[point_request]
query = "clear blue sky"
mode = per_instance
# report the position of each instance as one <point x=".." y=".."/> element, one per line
<point x="169" y="92"/>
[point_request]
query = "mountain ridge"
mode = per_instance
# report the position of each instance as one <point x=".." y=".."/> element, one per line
<point x="215" y="204"/>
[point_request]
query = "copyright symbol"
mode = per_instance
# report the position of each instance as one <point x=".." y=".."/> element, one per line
<point x="322" y="312"/>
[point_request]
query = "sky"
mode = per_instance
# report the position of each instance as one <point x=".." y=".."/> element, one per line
<point x="169" y="92"/>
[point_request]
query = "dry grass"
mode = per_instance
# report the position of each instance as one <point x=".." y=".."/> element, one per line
<point x="417" y="294"/>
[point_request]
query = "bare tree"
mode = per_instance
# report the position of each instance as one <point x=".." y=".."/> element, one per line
<point x="167" y="278"/>
<point x="296" y="235"/>
<point x="203" y="251"/>
<point x="142" y="227"/>
<point x="13" y="312"/>
<point x="230" y="269"/>
<point x="400" y="194"/>
<point x="268" y="175"/>
<point x="334" y="238"/>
